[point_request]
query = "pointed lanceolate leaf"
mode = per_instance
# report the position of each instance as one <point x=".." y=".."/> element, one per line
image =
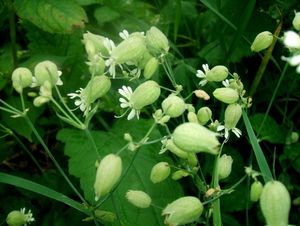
<point x="53" y="16"/>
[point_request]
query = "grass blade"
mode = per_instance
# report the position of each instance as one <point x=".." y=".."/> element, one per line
<point x="42" y="190"/>
<point x="260" y="158"/>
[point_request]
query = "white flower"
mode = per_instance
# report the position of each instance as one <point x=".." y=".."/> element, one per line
<point x="124" y="34"/>
<point x="236" y="131"/>
<point x="291" y="40"/>
<point x="126" y="92"/>
<point x="29" y="216"/>
<point x="202" y="74"/>
<point x="80" y="101"/>
<point x="226" y="83"/>
<point x="109" y="45"/>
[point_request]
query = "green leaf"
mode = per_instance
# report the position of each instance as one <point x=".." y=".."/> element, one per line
<point x="292" y="152"/>
<point x="82" y="164"/>
<point x="259" y="155"/>
<point x="40" y="189"/>
<point x="271" y="131"/>
<point x="105" y="14"/>
<point x="54" y="16"/>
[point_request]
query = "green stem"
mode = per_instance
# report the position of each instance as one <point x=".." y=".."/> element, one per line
<point x="12" y="33"/>
<point x="169" y="72"/>
<point x="53" y="159"/>
<point x="272" y="99"/>
<point x="89" y="135"/>
<point x="66" y="106"/>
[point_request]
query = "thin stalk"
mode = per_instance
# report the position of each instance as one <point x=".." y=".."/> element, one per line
<point x="29" y="153"/>
<point x="53" y="159"/>
<point x="273" y="98"/>
<point x="66" y="106"/>
<point x="89" y="135"/>
<point x="169" y="72"/>
<point x="116" y="210"/>
<point x="12" y="33"/>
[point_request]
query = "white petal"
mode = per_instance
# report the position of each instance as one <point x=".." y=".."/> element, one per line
<point x="200" y="74"/>
<point x="205" y="68"/>
<point x="82" y="107"/>
<point x="124" y="105"/>
<point x="237" y="132"/>
<point x="291" y="40"/>
<point x="203" y="82"/>
<point x="59" y="82"/>
<point x="122" y="100"/>
<point x="131" y="114"/>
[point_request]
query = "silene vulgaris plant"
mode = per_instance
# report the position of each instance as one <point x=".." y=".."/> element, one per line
<point x="189" y="127"/>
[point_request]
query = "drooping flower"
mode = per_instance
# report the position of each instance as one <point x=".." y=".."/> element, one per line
<point x="17" y="218"/>
<point x="235" y="130"/>
<point x="202" y="74"/>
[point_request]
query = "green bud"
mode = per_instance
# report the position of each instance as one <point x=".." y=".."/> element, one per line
<point x="192" y="117"/>
<point x="94" y="44"/>
<point x="192" y="137"/>
<point x="292" y="138"/>
<point x="97" y="87"/>
<point x="183" y="211"/>
<point x="18" y="218"/>
<point x="129" y="50"/>
<point x="176" y="150"/>
<point x="177" y="175"/>
<point x="224" y="166"/>
<point x="150" y="68"/>
<point x="173" y="106"/>
<point x="46" y="71"/>
<point x="138" y="198"/>
<point x="96" y="65"/>
<point x="21" y="78"/>
<point x="296" y="21"/>
<point x="108" y="174"/>
<point x="226" y="95"/>
<point x="255" y="191"/>
<point x="39" y="101"/>
<point x="233" y="114"/>
<point x="275" y="203"/>
<point x="217" y="74"/>
<point x="204" y="114"/>
<point x="192" y="159"/>
<point x="157" y="43"/>
<point x="160" y="172"/>
<point x="145" y="94"/>
<point x="262" y="41"/>
<point x="105" y="216"/>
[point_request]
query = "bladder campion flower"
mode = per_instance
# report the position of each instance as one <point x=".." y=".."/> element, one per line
<point x="19" y="217"/>
<point x="202" y="74"/>
<point x="126" y="92"/>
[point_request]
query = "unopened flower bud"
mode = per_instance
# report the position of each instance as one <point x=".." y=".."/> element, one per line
<point x="275" y="203"/>
<point x="129" y="50"/>
<point x="226" y="95"/>
<point x="296" y="21"/>
<point x="21" y="78"/>
<point x="150" y="67"/>
<point x="18" y="218"/>
<point x="105" y="216"/>
<point x="183" y="211"/>
<point x="175" y="150"/>
<point x="262" y="41"/>
<point x="173" y="106"/>
<point x="97" y="87"/>
<point x="94" y="44"/>
<point x="201" y="94"/>
<point x="138" y="198"/>
<point x="193" y="137"/>
<point x="157" y="43"/>
<point x="108" y="174"/>
<point x="46" y="71"/>
<point x="192" y="117"/>
<point x="217" y="73"/>
<point x="145" y="94"/>
<point x="192" y="159"/>
<point x="255" y="191"/>
<point x="160" y="172"/>
<point x="177" y="175"/>
<point x="292" y="138"/>
<point x="233" y="114"/>
<point x="39" y="101"/>
<point x="204" y="114"/>
<point x="224" y="166"/>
